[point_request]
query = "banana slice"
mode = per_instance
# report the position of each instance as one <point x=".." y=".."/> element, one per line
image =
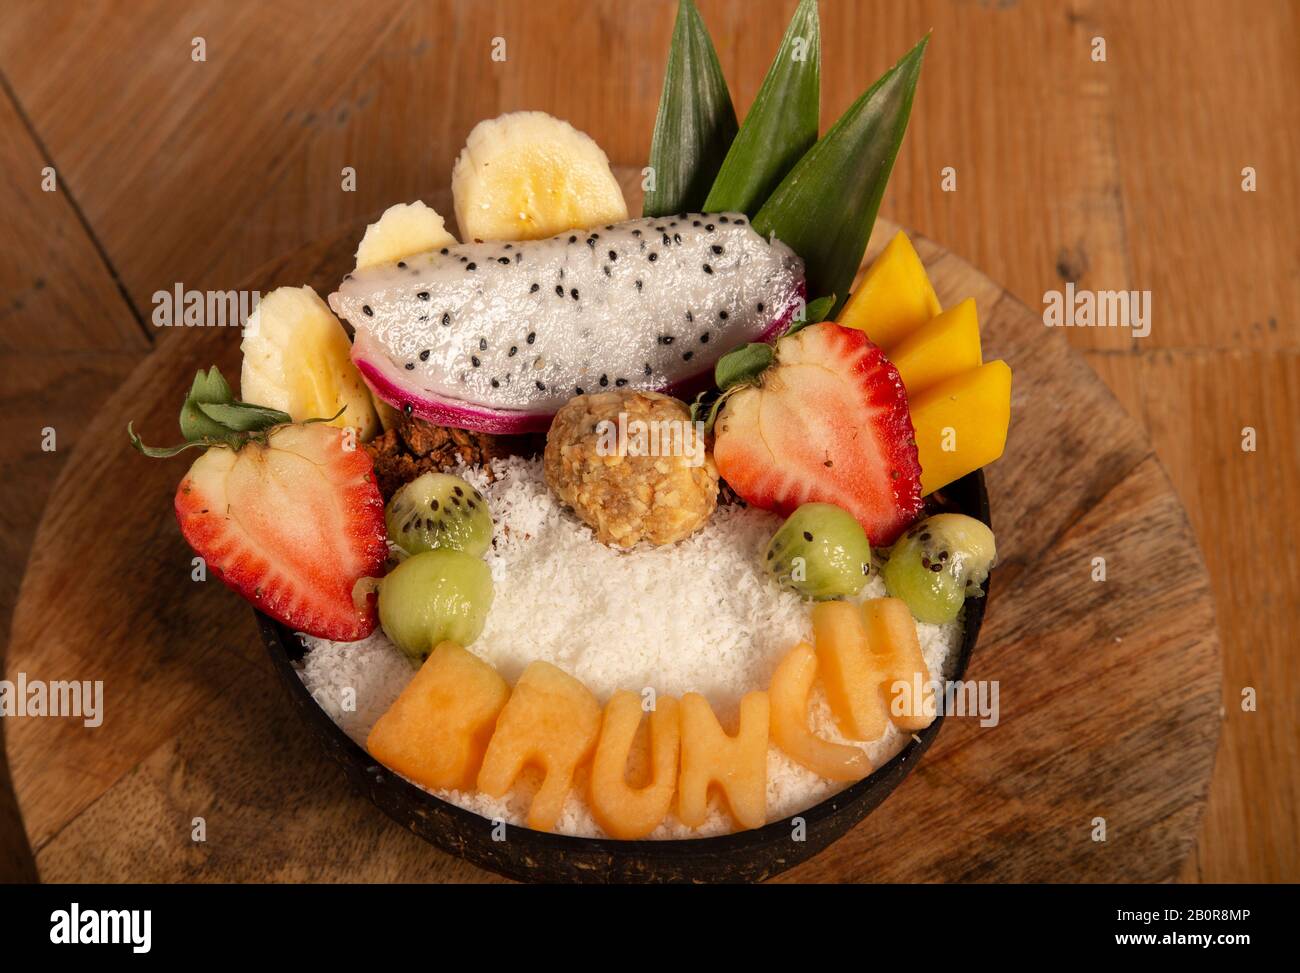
<point x="297" y="358"/>
<point x="527" y="175"/>
<point x="404" y="229"/>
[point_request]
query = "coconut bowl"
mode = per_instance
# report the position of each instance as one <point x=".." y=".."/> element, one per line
<point x="537" y="856"/>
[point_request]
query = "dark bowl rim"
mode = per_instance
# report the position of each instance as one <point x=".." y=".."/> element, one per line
<point x="278" y="637"/>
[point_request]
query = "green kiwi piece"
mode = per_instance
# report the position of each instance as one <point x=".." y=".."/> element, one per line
<point x="438" y="511"/>
<point x="821" y="552"/>
<point x="433" y="597"/>
<point x="938" y="563"/>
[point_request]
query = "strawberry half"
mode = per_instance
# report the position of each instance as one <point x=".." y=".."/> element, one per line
<point x="827" y="422"/>
<point x="291" y="521"/>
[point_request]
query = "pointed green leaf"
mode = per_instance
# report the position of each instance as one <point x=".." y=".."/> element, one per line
<point x="825" y="208"/>
<point x="243" y="417"/>
<point x="814" y="312"/>
<point x="209" y="388"/>
<point x="696" y="121"/>
<point x="781" y="125"/>
<point x="743" y="365"/>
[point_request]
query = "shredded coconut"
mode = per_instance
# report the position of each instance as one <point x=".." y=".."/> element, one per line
<point x="701" y="615"/>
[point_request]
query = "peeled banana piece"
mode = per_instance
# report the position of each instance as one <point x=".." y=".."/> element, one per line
<point x="528" y="175"/>
<point x="402" y="230"/>
<point x="297" y="358"/>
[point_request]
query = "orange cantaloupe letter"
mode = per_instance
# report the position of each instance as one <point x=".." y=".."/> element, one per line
<point x="437" y="730"/>
<point x="550" y="721"/>
<point x="624" y="811"/>
<point x="896" y="651"/>
<point x="736" y="765"/>
<point x="789" y="700"/>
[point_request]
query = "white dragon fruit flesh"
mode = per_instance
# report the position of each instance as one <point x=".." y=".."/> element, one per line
<point x="496" y="337"/>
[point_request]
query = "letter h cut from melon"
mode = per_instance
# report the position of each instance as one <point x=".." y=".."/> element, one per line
<point x="550" y="722"/>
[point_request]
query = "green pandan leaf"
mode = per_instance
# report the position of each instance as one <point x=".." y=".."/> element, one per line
<point x="781" y="125"/>
<point x="696" y="121"/>
<point x="825" y="208"/>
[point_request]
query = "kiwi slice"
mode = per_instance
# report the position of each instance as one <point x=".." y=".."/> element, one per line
<point x="938" y="563"/>
<point x="821" y="552"/>
<point x="438" y="511"/>
<point x="435" y="596"/>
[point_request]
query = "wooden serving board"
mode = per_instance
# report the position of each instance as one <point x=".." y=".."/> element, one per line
<point x="1108" y="691"/>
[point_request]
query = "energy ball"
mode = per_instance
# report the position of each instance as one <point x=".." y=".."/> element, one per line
<point x="632" y="466"/>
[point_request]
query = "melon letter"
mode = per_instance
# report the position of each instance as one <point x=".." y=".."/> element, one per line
<point x="736" y="765"/>
<point x="624" y="811"/>
<point x="437" y="730"/>
<point x="789" y="693"/>
<point x="550" y="722"/>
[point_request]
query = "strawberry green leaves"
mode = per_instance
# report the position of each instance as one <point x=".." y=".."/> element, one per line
<point x="212" y="416"/>
<point x="696" y="121"/>
<point x="781" y="125"/>
<point x="825" y="208"/>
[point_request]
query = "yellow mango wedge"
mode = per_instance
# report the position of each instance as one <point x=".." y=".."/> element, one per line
<point x="895" y="296"/>
<point x="961" y="423"/>
<point x="941" y="348"/>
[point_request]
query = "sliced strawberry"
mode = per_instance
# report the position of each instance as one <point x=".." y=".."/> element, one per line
<point x="291" y="525"/>
<point x="827" y="422"/>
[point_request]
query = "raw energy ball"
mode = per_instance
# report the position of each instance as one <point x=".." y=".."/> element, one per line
<point x="624" y="495"/>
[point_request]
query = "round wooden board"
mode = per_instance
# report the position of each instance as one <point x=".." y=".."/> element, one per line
<point x="1108" y="692"/>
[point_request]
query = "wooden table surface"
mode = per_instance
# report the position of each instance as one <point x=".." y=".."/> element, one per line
<point x="1122" y="174"/>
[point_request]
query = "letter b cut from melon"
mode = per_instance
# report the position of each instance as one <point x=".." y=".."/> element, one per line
<point x="437" y="730"/>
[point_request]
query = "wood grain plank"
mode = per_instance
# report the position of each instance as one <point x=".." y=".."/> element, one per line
<point x="138" y="126"/>
<point x="65" y="326"/>
<point x="1223" y="265"/>
<point x="1199" y="404"/>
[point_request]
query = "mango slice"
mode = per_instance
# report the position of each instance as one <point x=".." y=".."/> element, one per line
<point x="737" y="765"/>
<point x="437" y="730"/>
<point x="941" y="348"/>
<point x="961" y="423"/>
<point x="624" y="811"/>
<point x="551" y="721"/>
<point x="896" y="653"/>
<point x="849" y="677"/>
<point x="789" y="701"/>
<point x="895" y="296"/>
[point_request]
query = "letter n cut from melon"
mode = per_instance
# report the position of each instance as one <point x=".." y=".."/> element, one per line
<point x="736" y="765"/>
<point x="895" y="296"/>
<point x="551" y="722"/>
<point x="941" y="348"/>
<point x="437" y="730"/>
<point x="961" y="423"/>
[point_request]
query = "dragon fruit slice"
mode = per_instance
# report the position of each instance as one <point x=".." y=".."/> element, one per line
<point x="495" y="337"/>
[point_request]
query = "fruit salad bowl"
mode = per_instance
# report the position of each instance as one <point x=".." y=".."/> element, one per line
<point x="530" y="510"/>
<point x="538" y="856"/>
